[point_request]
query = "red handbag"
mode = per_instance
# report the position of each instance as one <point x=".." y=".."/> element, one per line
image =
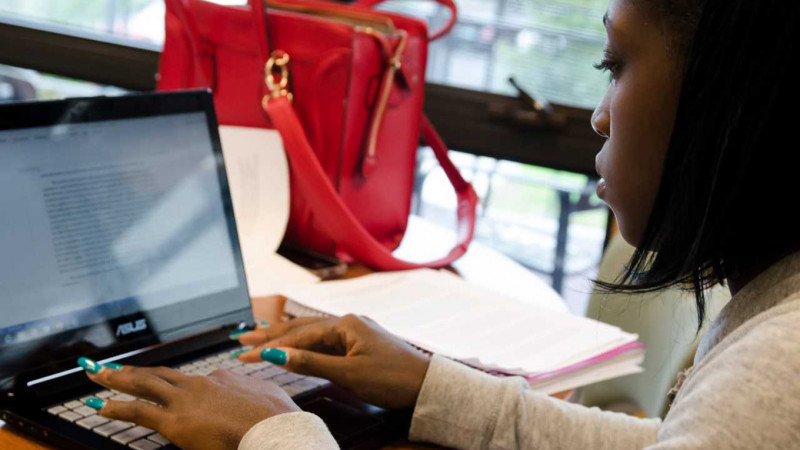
<point x="344" y="86"/>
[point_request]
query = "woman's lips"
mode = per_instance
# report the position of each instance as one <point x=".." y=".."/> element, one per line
<point x="601" y="187"/>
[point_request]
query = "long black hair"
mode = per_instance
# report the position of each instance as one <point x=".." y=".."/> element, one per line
<point x="730" y="189"/>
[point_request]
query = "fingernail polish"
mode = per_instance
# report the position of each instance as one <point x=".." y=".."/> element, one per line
<point x="235" y="335"/>
<point x="236" y="354"/>
<point x="275" y="356"/>
<point x="95" y="403"/>
<point x="263" y="323"/>
<point x="89" y="365"/>
<point x="113" y="366"/>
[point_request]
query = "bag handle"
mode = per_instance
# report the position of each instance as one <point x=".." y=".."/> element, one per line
<point x="441" y="32"/>
<point x="259" y="15"/>
<point x="335" y="217"/>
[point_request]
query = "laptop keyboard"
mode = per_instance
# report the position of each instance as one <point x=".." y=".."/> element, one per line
<point x="141" y="438"/>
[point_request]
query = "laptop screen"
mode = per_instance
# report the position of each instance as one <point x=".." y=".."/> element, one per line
<point x="113" y="230"/>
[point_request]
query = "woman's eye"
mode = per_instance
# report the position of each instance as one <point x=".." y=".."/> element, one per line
<point x="609" y="65"/>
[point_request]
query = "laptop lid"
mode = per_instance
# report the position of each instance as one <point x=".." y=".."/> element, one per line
<point x="116" y="232"/>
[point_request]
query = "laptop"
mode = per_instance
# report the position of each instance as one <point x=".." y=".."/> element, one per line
<point x="119" y="243"/>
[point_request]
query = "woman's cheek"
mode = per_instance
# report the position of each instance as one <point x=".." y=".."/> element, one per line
<point x="620" y="196"/>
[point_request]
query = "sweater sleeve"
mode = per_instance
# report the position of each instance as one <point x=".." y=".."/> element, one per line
<point x="464" y="408"/>
<point x="297" y="430"/>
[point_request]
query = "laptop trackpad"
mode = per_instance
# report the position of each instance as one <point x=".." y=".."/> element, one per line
<point x="342" y="420"/>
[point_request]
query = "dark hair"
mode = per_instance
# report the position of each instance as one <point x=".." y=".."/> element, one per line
<point x="729" y="187"/>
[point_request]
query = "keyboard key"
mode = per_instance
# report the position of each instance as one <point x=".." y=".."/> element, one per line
<point x="71" y="416"/>
<point x="291" y="389"/>
<point x="85" y="411"/>
<point x="286" y="378"/>
<point x="317" y="381"/>
<point x="124" y="398"/>
<point x="244" y="370"/>
<point x="230" y="364"/>
<point x="259" y="366"/>
<point x="144" y="444"/>
<point x="131" y="435"/>
<point x="158" y="438"/>
<point x="267" y="373"/>
<point x="73" y="404"/>
<point x="304" y="386"/>
<point x="111" y="428"/>
<point x="56" y="410"/>
<point x="104" y="394"/>
<point x="92" y="422"/>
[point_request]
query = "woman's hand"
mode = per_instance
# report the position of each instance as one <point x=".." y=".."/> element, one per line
<point x="208" y="412"/>
<point x="353" y="352"/>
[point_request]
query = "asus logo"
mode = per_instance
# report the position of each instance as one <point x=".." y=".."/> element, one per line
<point x="131" y="327"/>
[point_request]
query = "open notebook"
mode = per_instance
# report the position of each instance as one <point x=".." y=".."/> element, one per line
<point x="440" y="313"/>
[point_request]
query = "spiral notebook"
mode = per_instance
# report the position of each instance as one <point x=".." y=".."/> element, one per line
<point x="438" y="312"/>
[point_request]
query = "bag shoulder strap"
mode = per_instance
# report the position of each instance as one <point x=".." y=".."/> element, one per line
<point x="335" y="217"/>
<point x="441" y="32"/>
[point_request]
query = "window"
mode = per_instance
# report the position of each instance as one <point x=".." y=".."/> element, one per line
<point x="547" y="220"/>
<point x="548" y="46"/>
<point x="24" y="85"/>
<point x="132" y="21"/>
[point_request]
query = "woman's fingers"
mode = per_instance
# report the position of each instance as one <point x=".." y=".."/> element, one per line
<point x="315" y="364"/>
<point x="320" y="333"/>
<point x="142" y="382"/>
<point x="262" y="335"/>
<point x="138" y="412"/>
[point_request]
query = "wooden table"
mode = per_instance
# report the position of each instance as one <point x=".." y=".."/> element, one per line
<point x="271" y="310"/>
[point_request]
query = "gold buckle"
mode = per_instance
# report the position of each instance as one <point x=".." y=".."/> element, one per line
<point x="278" y="62"/>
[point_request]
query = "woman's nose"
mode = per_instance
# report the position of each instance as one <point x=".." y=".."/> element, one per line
<point x="601" y="122"/>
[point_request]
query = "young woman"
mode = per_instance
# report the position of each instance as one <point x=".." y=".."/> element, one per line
<point x="699" y="168"/>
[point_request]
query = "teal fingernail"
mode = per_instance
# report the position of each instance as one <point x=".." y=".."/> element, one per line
<point x="95" y="403"/>
<point x="236" y="354"/>
<point x="263" y="323"/>
<point x="235" y="335"/>
<point x="89" y="365"/>
<point x="275" y="356"/>
<point x="113" y="366"/>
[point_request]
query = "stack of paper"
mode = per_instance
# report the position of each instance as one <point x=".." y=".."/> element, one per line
<point x="441" y="313"/>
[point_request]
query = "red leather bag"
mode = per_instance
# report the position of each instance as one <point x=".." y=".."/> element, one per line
<point x="344" y="86"/>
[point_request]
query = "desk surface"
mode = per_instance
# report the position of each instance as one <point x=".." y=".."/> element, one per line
<point x="271" y="309"/>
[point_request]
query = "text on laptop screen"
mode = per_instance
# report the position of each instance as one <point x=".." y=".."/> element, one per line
<point x="105" y="220"/>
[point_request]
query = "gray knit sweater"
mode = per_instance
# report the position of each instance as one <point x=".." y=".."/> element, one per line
<point x="742" y="392"/>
